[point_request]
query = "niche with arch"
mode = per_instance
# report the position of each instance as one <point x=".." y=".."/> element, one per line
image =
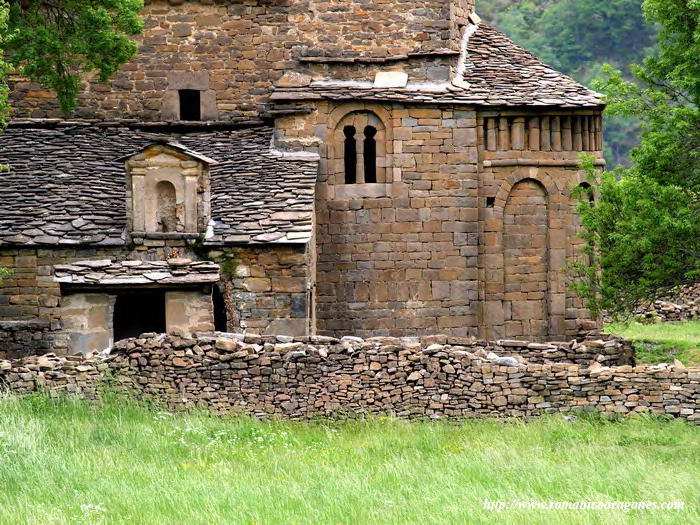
<point x="168" y="190"/>
<point x="168" y="219"/>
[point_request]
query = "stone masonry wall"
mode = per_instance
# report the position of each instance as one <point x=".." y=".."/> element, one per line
<point x="234" y="51"/>
<point x="528" y="166"/>
<point x="460" y="236"/>
<point x="401" y="258"/>
<point x="22" y="338"/>
<point x="320" y="376"/>
<point x="30" y="292"/>
<point x="265" y="290"/>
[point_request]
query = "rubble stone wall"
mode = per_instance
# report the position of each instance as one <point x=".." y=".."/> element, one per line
<point x="22" y="338"/>
<point x="433" y="377"/>
<point x="30" y="291"/>
<point x="682" y="304"/>
<point x="234" y="51"/>
<point x="266" y="290"/>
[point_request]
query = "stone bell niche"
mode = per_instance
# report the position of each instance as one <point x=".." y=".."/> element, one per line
<point x="168" y="190"/>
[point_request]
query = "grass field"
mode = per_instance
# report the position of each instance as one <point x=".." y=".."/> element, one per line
<point x="663" y="342"/>
<point x="71" y="462"/>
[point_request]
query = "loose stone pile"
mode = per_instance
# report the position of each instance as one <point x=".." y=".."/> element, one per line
<point x="680" y="305"/>
<point x="322" y="376"/>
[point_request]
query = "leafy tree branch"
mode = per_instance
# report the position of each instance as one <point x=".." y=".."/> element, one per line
<point x="54" y="42"/>
<point x="643" y="233"/>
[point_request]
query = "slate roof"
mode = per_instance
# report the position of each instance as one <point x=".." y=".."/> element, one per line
<point x="499" y="73"/>
<point x="66" y="184"/>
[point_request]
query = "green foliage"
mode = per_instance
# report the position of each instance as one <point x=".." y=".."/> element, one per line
<point x="228" y="266"/>
<point x="55" y="42"/>
<point x="643" y="234"/>
<point x="577" y="37"/>
<point x="4" y="66"/>
<point x="120" y="462"/>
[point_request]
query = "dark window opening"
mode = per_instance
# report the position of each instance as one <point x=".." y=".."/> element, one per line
<point x="190" y="104"/>
<point x="220" y="314"/>
<point x="137" y="313"/>
<point x="490" y="202"/>
<point x="588" y="191"/>
<point x="350" y="155"/>
<point x="370" y="155"/>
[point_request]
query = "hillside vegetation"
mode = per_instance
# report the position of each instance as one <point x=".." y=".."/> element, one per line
<point x="577" y="37"/>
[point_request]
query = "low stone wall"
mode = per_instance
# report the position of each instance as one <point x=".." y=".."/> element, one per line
<point x="23" y="338"/>
<point x="322" y="376"/>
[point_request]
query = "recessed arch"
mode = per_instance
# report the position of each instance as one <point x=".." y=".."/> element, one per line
<point x="526" y="260"/>
<point x="166" y="208"/>
<point x="535" y="174"/>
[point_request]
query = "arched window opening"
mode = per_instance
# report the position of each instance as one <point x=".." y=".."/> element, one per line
<point x="167" y="207"/>
<point x="370" y="154"/>
<point x="350" y="155"/>
<point x="360" y="152"/>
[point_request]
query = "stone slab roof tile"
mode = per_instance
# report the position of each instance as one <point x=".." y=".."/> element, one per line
<point x="497" y="72"/>
<point x="108" y="272"/>
<point x="67" y="185"/>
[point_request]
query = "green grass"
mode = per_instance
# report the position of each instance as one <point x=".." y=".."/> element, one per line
<point x="72" y="462"/>
<point x="662" y="342"/>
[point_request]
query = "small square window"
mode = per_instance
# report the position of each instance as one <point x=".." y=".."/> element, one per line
<point x="490" y="202"/>
<point x="190" y="104"/>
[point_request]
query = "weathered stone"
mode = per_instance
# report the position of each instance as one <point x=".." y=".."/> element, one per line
<point x="440" y="231"/>
<point x="507" y="361"/>
<point x="296" y="386"/>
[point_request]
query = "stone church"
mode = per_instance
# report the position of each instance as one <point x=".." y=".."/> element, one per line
<point x="298" y="167"/>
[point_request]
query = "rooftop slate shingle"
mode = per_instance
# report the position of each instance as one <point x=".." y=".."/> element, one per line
<point x="499" y="73"/>
<point x="67" y="186"/>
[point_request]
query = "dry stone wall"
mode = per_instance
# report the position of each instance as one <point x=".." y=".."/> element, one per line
<point x="29" y="337"/>
<point x="432" y="377"/>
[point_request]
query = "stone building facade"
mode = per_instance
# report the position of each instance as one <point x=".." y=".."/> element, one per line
<point x="383" y="169"/>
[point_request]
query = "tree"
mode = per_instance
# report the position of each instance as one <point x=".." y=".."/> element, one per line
<point x="54" y="42"/>
<point x="643" y="233"/>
